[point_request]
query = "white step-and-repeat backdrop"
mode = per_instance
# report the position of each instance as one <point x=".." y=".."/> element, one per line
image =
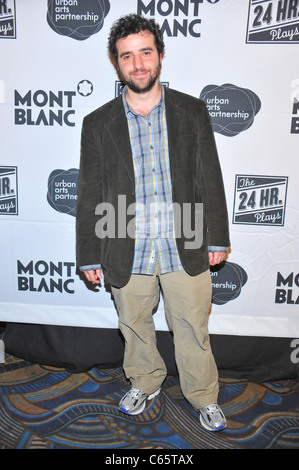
<point x="241" y="58"/>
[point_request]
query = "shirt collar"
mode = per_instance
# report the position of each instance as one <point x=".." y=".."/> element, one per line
<point x="128" y="108"/>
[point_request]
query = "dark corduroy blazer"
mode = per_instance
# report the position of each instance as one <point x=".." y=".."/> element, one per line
<point x="106" y="172"/>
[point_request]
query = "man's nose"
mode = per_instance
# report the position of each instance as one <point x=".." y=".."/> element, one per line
<point x="138" y="62"/>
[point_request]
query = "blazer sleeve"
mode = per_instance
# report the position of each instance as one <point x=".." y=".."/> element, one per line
<point x="89" y="195"/>
<point x="211" y="184"/>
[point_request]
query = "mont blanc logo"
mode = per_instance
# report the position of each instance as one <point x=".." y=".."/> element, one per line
<point x="42" y="276"/>
<point x="273" y="22"/>
<point x="7" y="19"/>
<point x="62" y="191"/>
<point x="287" y="288"/>
<point x="49" y="107"/>
<point x="85" y="88"/>
<point x="227" y="282"/>
<point x="177" y="18"/>
<point x="77" y="19"/>
<point x="260" y="200"/>
<point x="295" y="117"/>
<point x="232" y="109"/>
<point x="8" y="190"/>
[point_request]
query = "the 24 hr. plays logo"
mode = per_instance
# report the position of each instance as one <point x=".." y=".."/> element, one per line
<point x="273" y="22"/>
<point x="8" y="190"/>
<point x="7" y="19"/>
<point x="260" y="200"/>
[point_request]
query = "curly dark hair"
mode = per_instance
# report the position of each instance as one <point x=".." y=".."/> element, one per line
<point x="133" y="24"/>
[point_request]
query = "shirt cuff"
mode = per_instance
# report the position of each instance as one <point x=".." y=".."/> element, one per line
<point x="217" y="249"/>
<point x="90" y="267"/>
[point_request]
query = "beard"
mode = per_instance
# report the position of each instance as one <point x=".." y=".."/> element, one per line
<point x="148" y="86"/>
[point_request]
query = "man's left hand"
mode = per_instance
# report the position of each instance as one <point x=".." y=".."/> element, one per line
<point x="216" y="258"/>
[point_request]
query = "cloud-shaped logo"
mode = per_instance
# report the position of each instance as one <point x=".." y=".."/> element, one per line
<point x="232" y="109"/>
<point x="62" y="191"/>
<point x="78" y="19"/>
<point x="227" y="282"/>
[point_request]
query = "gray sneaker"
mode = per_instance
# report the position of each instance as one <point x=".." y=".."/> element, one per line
<point x="212" y="418"/>
<point x="133" y="402"/>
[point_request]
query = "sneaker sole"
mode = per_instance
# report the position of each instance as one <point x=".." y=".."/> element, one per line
<point x="204" y="425"/>
<point x="141" y="408"/>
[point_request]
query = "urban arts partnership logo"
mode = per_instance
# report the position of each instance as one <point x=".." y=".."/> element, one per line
<point x="260" y="200"/>
<point x="227" y="282"/>
<point x="62" y="191"/>
<point x="7" y="19"/>
<point x="178" y="17"/>
<point x="273" y="22"/>
<point x="77" y="19"/>
<point x="8" y="190"/>
<point x="232" y="109"/>
<point x="49" y="108"/>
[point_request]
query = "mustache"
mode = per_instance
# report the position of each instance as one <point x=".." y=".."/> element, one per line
<point x="142" y="70"/>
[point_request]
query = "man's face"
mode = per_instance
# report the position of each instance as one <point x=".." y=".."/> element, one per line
<point x="139" y="61"/>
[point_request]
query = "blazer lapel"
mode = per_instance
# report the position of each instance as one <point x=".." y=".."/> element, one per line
<point x="174" y="117"/>
<point x="119" y="133"/>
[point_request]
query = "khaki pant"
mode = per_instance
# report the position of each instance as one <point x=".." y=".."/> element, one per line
<point x="187" y="300"/>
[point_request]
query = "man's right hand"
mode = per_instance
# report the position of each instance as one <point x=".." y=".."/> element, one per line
<point x="94" y="275"/>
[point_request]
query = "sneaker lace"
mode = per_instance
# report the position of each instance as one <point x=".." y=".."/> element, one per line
<point x="211" y="409"/>
<point x="134" y="392"/>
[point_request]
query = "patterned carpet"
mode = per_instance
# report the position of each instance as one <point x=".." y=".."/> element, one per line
<point x="49" y="408"/>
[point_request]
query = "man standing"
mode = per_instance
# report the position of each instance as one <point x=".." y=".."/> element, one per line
<point x="154" y="147"/>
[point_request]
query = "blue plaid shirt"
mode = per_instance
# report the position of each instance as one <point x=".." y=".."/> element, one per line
<point x="154" y="240"/>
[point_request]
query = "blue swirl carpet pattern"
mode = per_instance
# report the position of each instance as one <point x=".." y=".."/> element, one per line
<point x="43" y="407"/>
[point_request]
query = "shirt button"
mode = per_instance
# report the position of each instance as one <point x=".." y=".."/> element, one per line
<point x="155" y="193"/>
<point x="151" y="147"/>
<point x="153" y="170"/>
